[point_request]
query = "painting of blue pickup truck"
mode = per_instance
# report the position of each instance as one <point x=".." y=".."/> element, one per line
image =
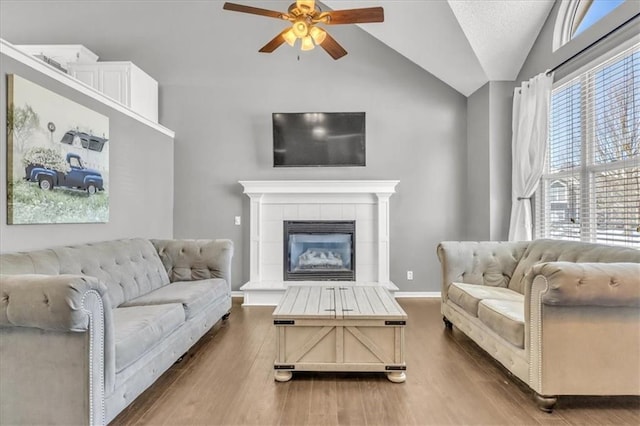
<point x="57" y="158"/>
<point x="77" y="177"/>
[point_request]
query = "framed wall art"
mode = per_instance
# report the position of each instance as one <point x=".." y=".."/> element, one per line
<point x="57" y="158"/>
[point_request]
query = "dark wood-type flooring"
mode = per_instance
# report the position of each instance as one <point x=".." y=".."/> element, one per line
<point x="227" y="379"/>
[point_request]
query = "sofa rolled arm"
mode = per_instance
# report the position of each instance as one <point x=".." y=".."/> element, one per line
<point x="48" y="302"/>
<point x="589" y="284"/>
<point x="190" y="260"/>
<point x="478" y="262"/>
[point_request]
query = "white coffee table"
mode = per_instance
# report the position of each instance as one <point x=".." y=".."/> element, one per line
<point x="339" y="328"/>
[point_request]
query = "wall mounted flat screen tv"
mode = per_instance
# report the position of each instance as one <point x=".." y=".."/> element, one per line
<point x="319" y="139"/>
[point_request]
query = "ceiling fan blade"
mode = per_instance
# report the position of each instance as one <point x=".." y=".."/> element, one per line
<point x="253" y="10"/>
<point x="274" y="43"/>
<point x="355" y="16"/>
<point x="332" y="47"/>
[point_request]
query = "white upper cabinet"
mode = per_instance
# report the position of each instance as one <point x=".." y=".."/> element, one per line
<point x="122" y="81"/>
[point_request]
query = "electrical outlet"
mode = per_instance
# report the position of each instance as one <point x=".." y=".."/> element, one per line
<point x="409" y="275"/>
<point x="237" y="220"/>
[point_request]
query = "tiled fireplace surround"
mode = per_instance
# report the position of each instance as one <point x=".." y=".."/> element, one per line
<point x="272" y="202"/>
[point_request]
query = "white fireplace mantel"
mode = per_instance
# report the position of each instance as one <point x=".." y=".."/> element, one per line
<point x="272" y="202"/>
<point x="319" y="187"/>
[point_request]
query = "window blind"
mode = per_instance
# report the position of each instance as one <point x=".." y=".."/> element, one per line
<point x="590" y="189"/>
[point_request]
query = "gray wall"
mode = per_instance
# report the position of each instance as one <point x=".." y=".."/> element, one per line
<point x="501" y="111"/>
<point x="141" y="178"/>
<point x="218" y="94"/>
<point x="489" y="111"/>
<point x="478" y="191"/>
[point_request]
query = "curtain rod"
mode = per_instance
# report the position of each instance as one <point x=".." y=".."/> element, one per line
<point x="593" y="44"/>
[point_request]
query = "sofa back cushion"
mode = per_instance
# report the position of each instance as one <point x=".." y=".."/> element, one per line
<point x="43" y="262"/>
<point x="129" y="268"/>
<point x="489" y="263"/>
<point x="542" y="251"/>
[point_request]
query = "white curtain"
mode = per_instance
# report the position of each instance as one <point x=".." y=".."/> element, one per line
<point x="529" y="150"/>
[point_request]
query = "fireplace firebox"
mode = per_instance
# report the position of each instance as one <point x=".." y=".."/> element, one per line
<point x="319" y="250"/>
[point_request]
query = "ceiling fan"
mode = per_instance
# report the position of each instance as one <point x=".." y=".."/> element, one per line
<point x="305" y="15"/>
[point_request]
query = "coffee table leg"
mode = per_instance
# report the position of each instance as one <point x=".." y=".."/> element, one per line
<point x="282" y="376"/>
<point x="397" y="376"/>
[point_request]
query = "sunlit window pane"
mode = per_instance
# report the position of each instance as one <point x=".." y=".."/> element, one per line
<point x="590" y="190"/>
<point x="597" y="10"/>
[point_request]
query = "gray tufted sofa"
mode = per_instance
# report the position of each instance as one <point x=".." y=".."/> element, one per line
<point x="85" y="329"/>
<point x="563" y="317"/>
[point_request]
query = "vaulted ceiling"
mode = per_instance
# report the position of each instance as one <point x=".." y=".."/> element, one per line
<point x="464" y="43"/>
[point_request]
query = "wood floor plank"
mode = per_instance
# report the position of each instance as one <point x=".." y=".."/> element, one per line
<point x="227" y="379"/>
<point x="324" y="400"/>
<point x="297" y="404"/>
<point x="350" y="409"/>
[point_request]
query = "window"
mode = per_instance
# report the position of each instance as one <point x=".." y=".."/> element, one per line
<point x="575" y="16"/>
<point x="592" y="13"/>
<point x="590" y="189"/>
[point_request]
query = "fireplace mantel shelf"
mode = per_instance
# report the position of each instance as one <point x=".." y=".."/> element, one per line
<point x="364" y="201"/>
<point x="319" y="186"/>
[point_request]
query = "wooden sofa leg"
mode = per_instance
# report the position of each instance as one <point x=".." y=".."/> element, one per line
<point x="545" y="403"/>
<point x="448" y="324"/>
<point x="226" y="316"/>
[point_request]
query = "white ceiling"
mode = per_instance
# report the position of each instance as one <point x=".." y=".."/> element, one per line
<point x="464" y="43"/>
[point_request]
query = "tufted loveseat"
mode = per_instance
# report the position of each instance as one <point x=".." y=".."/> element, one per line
<point x="85" y="329"/>
<point x="563" y="317"/>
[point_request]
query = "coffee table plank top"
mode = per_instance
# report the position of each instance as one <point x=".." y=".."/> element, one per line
<point x="330" y="302"/>
<point x="371" y="302"/>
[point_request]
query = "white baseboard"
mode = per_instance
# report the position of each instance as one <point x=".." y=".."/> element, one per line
<point x="416" y="294"/>
<point x="398" y="294"/>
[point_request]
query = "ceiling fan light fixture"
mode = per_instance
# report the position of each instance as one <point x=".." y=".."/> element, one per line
<point x="307" y="43"/>
<point x="318" y="34"/>
<point x="300" y="28"/>
<point x="303" y="16"/>
<point x="290" y="37"/>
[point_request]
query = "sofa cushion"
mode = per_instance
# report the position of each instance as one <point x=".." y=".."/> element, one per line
<point x="467" y="296"/>
<point x="505" y="317"/>
<point x="193" y="295"/>
<point x="138" y="329"/>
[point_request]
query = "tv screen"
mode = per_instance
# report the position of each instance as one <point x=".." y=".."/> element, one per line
<point x="320" y="139"/>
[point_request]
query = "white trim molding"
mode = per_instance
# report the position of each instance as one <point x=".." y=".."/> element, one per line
<point x="381" y="187"/>
<point x="562" y="31"/>
<point x="23" y="57"/>
<point x="397" y="294"/>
